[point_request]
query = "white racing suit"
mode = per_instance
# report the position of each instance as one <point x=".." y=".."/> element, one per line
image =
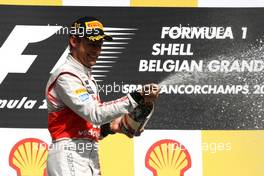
<point x="75" y="114"/>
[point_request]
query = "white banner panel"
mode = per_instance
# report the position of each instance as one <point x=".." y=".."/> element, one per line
<point x="96" y="3"/>
<point x="230" y="3"/>
<point x="168" y="152"/>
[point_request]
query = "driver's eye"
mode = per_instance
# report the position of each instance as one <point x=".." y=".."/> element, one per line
<point x="95" y="45"/>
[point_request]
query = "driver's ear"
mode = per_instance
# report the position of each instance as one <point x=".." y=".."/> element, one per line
<point x="74" y="41"/>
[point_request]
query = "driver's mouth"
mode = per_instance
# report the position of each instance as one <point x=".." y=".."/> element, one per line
<point x="93" y="56"/>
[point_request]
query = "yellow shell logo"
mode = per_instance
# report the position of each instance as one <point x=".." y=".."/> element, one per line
<point x="168" y="158"/>
<point x="28" y="157"/>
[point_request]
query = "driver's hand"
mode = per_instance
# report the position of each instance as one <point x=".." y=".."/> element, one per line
<point x="150" y="93"/>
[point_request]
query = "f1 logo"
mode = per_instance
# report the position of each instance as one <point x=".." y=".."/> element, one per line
<point x="11" y="58"/>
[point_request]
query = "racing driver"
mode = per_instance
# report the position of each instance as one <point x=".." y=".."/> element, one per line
<point x="76" y="115"/>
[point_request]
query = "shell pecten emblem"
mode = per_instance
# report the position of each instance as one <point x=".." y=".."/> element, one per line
<point x="28" y="157"/>
<point x="168" y="158"/>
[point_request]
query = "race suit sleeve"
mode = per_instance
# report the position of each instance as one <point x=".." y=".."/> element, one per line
<point x="73" y="94"/>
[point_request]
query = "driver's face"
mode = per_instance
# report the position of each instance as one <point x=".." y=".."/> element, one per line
<point x="88" y="51"/>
